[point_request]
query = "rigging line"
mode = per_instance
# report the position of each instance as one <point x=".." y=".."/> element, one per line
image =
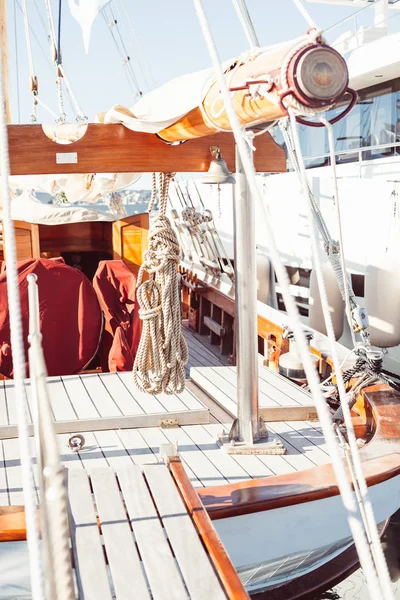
<point x="28" y="40"/>
<point x="59" y="32"/>
<point x="138" y="59"/>
<point x="367" y="513"/>
<point x="312" y="377"/>
<point x="302" y="9"/>
<point x="51" y="28"/>
<point x="331" y="141"/>
<point x="247" y="23"/>
<point x="17" y="344"/>
<point x="139" y="63"/>
<point x="127" y="57"/>
<point x="351" y="16"/>
<point x="44" y="52"/>
<point x="16" y="62"/>
<point x="126" y="73"/>
<point x="41" y="19"/>
<point x="135" y="37"/>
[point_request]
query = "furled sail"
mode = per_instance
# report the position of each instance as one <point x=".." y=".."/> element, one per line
<point x="304" y="73"/>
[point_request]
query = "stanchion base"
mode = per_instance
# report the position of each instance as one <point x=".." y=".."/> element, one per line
<point x="230" y="443"/>
<point x="260" y="447"/>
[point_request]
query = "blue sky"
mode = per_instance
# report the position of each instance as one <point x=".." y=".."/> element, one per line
<point x="169" y="36"/>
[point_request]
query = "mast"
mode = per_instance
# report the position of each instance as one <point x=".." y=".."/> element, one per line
<point x="4" y="53"/>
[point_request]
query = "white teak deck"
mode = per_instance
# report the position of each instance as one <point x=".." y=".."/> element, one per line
<point x="165" y="553"/>
<point x="124" y="445"/>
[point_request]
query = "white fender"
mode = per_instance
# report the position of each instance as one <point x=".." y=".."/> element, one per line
<point x="336" y="305"/>
<point x="382" y="298"/>
<point x="263" y="278"/>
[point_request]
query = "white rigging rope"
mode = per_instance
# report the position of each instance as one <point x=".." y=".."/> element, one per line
<point x="53" y="495"/>
<point x="18" y="358"/>
<point x="331" y="141"/>
<point x="128" y="72"/>
<point x="302" y="9"/>
<point x="61" y="74"/>
<point x="145" y="68"/>
<point x="350" y="505"/>
<point x="366" y="506"/>
<point x="246" y="21"/>
<point x="162" y="353"/>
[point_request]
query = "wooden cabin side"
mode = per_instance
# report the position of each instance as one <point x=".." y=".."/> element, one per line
<point x="84" y="245"/>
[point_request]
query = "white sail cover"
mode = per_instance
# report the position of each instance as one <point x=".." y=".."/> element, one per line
<point x="163" y="106"/>
<point x="85" y="12"/>
<point x="28" y="208"/>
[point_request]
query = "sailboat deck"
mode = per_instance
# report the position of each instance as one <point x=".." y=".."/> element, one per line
<point x="166" y="551"/>
<point x="101" y="401"/>
<point x="121" y="445"/>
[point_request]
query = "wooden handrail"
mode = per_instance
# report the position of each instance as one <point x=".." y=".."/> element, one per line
<point x="230" y="579"/>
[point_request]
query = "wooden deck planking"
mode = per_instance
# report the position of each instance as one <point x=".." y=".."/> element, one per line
<point x="256" y="466"/>
<point x="13" y="471"/>
<point x="103" y="400"/>
<point x="154" y="436"/>
<point x="266" y="395"/>
<point x="4" y="488"/>
<point x="149" y="403"/>
<point x="122" y="398"/>
<point x="206" y="471"/>
<point x="61" y="405"/>
<point x="91" y="454"/>
<point x="159" y="563"/>
<point x="200" y="578"/>
<point x="10" y="399"/>
<point x="89" y="560"/>
<point x="83" y="404"/>
<point x="3" y="405"/>
<point x="112" y="448"/>
<point x="225" y="463"/>
<point x="297" y="439"/>
<point x="122" y="554"/>
<point x="200" y="377"/>
<point x="136" y="447"/>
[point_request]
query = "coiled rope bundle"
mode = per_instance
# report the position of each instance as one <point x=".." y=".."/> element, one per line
<point x="162" y="353"/>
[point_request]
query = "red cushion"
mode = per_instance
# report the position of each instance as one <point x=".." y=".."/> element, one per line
<point x="70" y="316"/>
<point x="115" y="286"/>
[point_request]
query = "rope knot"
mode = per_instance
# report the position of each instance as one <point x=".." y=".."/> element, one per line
<point x="162" y="352"/>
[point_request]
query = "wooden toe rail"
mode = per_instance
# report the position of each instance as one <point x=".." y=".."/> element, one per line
<point x="380" y="457"/>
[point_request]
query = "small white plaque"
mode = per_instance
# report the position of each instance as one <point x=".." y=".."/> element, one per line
<point x="66" y="158"/>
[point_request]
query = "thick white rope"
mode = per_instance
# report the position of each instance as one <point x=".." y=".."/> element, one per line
<point x="367" y="510"/>
<point x="246" y="21"/>
<point x="51" y="473"/>
<point x="302" y="9"/>
<point x="61" y="75"/>
<point x="348" y="498"/>
<point x="162" y="353"/>
<point x="28" y="39"/>
<point x="331" y="141"/>
<point x="18" y="358"/>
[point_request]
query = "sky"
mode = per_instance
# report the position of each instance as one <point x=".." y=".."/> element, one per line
<point x="170" y="44"/>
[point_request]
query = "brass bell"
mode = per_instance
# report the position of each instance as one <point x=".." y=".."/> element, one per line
<point x="218" y="172"/>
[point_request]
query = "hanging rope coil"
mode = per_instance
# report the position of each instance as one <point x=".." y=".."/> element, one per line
<point x="162" y="353"/>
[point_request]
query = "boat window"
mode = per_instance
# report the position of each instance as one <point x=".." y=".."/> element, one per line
<point x="373" y="124"/>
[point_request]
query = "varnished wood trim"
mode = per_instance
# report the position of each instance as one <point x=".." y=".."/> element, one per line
<point x="380" y="457"/>
<point x="13" y="523"/>
<point x="259" y="495"/>
<point x="230" y="579"/>
<point x="117" y="149"/>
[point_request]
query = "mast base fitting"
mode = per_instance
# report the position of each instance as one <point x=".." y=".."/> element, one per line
<point x="260" y="446"/>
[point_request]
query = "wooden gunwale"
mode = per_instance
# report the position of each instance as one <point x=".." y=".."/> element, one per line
<point x="216" y="551"/>
<point x="380" y="457"/>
